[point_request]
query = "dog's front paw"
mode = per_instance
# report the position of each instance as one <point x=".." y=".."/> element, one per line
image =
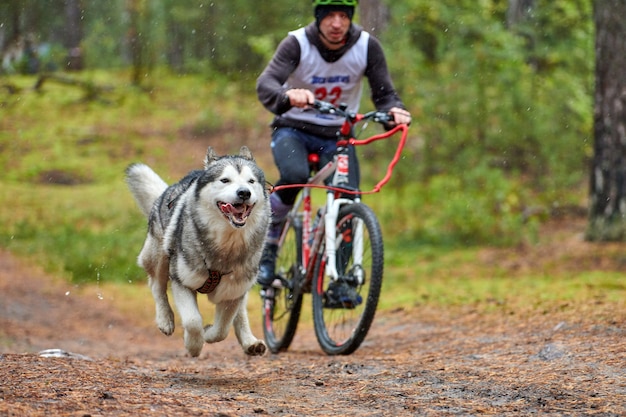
<point x="165" y="321"/>
<point x="258" y="348"/>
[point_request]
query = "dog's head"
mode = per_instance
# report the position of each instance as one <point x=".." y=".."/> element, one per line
<point x="234" y="184"/>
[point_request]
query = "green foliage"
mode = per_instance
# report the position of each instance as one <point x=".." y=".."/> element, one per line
<point x="482" y="207"/>
<point x="101" y="45"/>
<point x="216" y="38"/>
<point x="484" y="95"/>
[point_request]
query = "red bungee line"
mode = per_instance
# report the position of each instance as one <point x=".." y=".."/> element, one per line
<point x="404" y="128"/>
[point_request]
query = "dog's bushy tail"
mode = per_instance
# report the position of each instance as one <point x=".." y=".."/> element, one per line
<point x="145" y="185"/>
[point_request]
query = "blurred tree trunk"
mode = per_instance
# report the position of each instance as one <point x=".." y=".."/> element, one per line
<point x="73" y="34"/>
<point x="12" y="23"/>
<point x="13" y="20"/>
<point x="607" y="212"/>
<point x="517" y="11"/>
<point x="134" y="39"/>
<point x="374" y="16"/>
<point x="175" y="43"/>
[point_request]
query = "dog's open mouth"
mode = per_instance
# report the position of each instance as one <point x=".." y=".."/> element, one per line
<point x="237" y="214"/>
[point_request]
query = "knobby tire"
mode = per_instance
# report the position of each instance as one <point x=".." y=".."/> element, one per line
<point x="281" y="311"/>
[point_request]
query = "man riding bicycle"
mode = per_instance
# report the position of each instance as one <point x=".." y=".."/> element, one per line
<point x="326" y="60"/>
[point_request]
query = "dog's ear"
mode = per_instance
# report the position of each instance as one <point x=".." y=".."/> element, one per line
<point x="210" y="157"/>
<point x="245" y="153"/>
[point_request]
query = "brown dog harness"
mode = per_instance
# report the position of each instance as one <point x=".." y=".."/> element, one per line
<point x="213" y="281"/>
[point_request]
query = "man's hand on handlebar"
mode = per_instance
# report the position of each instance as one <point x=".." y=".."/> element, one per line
<point x="395" y="116"/>
<point x="400" y="116"/>
<point x="300" y="97"/>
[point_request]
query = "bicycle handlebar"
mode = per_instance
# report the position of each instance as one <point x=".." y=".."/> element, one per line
<point x="383" y="118"/>
<point x="325" y="107"/>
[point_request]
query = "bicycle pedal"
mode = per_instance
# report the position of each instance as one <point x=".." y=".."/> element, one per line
<point x="341" y="295"/>
<point x="352" y="302"/>
<point x="347" y="304"/>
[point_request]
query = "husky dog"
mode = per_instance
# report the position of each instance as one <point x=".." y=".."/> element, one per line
<point x="205" y="234"/>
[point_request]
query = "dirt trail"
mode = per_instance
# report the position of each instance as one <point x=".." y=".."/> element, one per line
<point x="418" y="362"/>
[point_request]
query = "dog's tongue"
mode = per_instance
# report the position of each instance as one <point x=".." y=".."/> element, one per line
<point x="236" y="213"/>
<point x="229" y="208"/>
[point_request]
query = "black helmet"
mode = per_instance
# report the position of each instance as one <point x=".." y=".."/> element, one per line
<point x="321" y="8"/>
<point x="351" y="3"/>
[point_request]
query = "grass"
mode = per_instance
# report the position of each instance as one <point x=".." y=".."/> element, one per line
<point x="443" y="282"/>
<point x="67" y="208"/>
<point x="84" y="233"/>
<point x="559" y="271"/>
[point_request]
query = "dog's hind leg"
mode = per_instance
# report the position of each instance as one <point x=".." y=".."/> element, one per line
<point x="157" y="267"/>
<point x="158" y="286"/>
<point x="187" y="306"/>
<point x="250" y="344"/>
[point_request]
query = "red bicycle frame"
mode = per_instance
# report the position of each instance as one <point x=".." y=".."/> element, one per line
<point x="317" y="180"/>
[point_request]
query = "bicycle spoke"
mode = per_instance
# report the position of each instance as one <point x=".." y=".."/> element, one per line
<point x="282" y="303"/>
<point x="344" y="309"/>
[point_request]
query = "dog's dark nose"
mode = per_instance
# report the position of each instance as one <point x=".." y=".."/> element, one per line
<point x="244" y="193"/>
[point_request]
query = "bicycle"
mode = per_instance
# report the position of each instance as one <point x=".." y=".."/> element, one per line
<point x="338" y="257"/>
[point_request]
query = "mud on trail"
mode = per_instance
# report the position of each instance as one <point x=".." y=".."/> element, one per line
<point x="423" y="361"/>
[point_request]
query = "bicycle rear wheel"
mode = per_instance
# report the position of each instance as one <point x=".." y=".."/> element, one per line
<point x="344" y="310"/>
<point x="282" y="303"/>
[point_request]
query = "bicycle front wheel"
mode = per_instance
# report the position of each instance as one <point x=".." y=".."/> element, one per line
<point x="343" y="310"/>
<point x="282" y="302"/>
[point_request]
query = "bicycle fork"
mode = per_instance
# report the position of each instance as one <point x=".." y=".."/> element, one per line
<point x="332" y="239"/>
<point x="307" y="251"/>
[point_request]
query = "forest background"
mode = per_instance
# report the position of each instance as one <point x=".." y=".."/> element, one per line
<point x="501" y="93"/>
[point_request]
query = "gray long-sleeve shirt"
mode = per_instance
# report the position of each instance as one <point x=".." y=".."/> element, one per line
<point x="270" y="84"/>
